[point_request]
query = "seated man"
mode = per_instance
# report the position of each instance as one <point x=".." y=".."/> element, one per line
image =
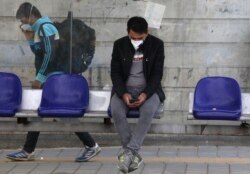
<point x="136" y="72"/>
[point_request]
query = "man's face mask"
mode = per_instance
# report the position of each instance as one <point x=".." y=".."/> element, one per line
<point x="136" y="43"/>
<point x="137" y="39"/>
<point x="26" y="27"/>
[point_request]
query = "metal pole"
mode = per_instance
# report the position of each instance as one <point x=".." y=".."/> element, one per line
<point x="70" y="18"/>
<point x="71" y="41"/>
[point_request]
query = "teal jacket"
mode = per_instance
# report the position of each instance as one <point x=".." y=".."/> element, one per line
<point x="44" y="46"/>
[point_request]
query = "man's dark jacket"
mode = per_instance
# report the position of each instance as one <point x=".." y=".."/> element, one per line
<point x="153" y="63"/>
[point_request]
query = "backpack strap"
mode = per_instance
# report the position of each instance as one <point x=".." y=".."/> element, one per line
<point x="41" y="28"/>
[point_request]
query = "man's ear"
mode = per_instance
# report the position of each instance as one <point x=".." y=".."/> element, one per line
<point x="128" y="31"/>
<point x="33" y="19"/>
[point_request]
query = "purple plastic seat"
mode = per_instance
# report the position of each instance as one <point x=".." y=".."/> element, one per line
<point x="10" y="94"/>
<point x="217" y="98"/>
<point x="64" y="95"/>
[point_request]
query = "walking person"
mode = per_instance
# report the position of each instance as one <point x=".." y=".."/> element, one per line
<point x="43" y="45"/>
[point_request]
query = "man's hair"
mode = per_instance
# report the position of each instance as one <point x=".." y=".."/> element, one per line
<point x="137" y="24"/>
<point x="26" y="9"/>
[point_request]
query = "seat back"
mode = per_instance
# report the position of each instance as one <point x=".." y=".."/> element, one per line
<point x="217" y="98"/>
<point x="64" y="95"/>
<point x="10" y="94"/>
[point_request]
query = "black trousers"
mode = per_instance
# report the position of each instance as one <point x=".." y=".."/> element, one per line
<point x="32" y="138"/>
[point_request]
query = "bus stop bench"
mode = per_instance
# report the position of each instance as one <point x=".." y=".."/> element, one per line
<point x="63" y="97"/>
<point x="97" y="108"/>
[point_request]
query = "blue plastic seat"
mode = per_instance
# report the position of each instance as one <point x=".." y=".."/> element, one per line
<point x="64" y="95"/>
<point x="10" y="94"/>
<point x="217" y="98"/>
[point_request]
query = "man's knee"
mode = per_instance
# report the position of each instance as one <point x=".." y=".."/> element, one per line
<point x="151" y="105"/>
<point x="117" y="106"/>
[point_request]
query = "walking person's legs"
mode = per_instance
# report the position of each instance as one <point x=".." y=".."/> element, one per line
<point x="91" y="147"/>
<point x="27" y="153"/>
<point x="31" y="141"/>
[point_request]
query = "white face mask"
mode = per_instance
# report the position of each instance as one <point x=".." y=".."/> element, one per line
<point x="26" y="27"/>
<point x="136" y="43"/>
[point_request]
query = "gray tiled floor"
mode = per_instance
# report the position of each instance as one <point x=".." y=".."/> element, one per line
<point x="157" y="160"/>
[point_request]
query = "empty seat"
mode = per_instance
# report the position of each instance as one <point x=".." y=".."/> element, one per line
<point x="64" y="95"/>
<point x="217" y="98"/>
<point x="10" y="94"/>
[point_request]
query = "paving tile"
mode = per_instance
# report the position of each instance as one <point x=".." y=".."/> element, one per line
<point x="227" y="151"/>
<point x="47" y="153"/>
<point x="176" y="168"/>
<point x="108" y="169"/>
<point x="187" y="151"/>
<point x="70" y="152"/>
<point x="154" y="168"/>
<point x="45" y="168"/>
<point x="6" y="167"/>
<point x="23" y="168"/>
<point x="240" y="168"/>
<point x="196" y="169"/>
<point x="67" y="167"/>
<point x="112" y="151"/>
<point x="89" y="168"/>
<point x="207" y="151"/>
<point x="218" y="169"/>
<point x="149" y="151"/>
<point x="168" y="152"/>
<point x="244" y="152"/>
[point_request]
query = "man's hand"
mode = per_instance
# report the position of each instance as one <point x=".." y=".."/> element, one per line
<point x="36" y="84"/>
<point x="140" y="100"/>
<point x="127" y="98"/>
<point x="29" y="35"/>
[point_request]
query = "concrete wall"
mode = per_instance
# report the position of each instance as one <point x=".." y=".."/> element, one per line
<point x="202" y="38"/>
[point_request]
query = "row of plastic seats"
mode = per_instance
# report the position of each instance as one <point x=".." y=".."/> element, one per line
<point x="67" y="95"/>
<point x="62" y="96"/>
<point x="217" y="98"/>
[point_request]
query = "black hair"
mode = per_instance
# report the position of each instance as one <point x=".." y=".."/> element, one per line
<point x="137" y="24"/>
<point x="26" y="9"/>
